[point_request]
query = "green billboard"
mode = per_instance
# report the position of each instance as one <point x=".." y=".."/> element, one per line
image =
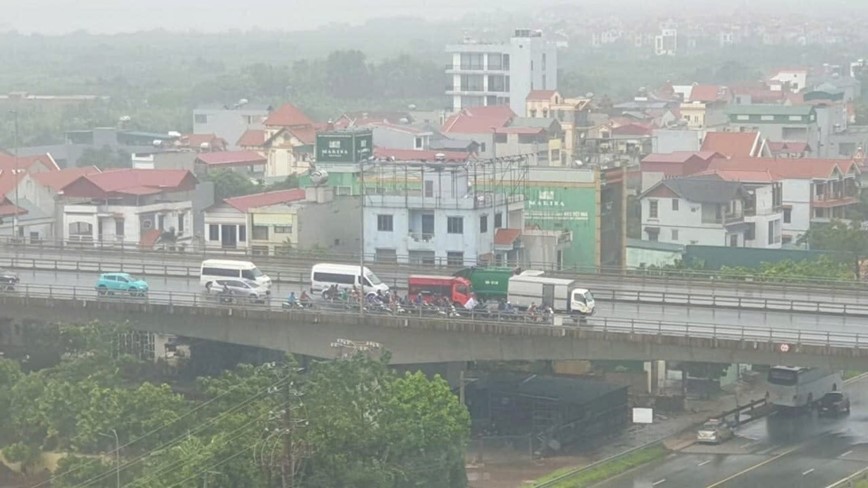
<point x="559" y="207"/>
<point x="345" y="146"/>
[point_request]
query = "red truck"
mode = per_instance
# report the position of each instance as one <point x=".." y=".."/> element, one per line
<point x="456" y="289"/>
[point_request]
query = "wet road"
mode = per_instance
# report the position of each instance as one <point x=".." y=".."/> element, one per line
<point x="781" y="451"/>
<point x="621" y="310"/>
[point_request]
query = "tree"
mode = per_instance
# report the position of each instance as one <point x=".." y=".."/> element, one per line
<point x="347" y="75"/>
<point x="228" y="183"/>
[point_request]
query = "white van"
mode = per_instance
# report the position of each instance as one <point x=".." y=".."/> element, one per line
<point x="324" y="275"/>
<point x="216" y="269"/>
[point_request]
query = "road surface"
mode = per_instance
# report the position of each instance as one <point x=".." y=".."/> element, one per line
<point x="781" y="451"/>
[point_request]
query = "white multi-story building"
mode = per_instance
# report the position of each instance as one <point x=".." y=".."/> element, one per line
<point x="484" y="74"/>
<point x="443" y="214"/>
<point x="133" y="207"/>
<point x="708" y="210"/>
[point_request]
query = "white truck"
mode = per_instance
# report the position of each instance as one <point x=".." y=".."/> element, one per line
<point x="562" y="295"/>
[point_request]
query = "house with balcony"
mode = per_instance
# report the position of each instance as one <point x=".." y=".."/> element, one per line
<point x="779" y="123"/>
<point x="709" y="210"/>
<point x="130" y="207"/>
<point x="441" y="214"/>
<point x="538" y="139"/>
<point x="814" y="190"/>
<point x="571" y="113"/>
<point x="478" y="125"/>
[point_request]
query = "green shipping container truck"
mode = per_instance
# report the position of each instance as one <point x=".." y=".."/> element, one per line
<point x="488" y="283"/>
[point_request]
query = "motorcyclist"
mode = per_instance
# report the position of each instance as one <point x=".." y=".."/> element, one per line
<point x="304" y="299"/>
<point x="292" y="299"/>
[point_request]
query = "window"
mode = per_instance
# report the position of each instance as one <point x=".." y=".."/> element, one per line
<point x="119" y="227"/>
<point x="733" y="240"/>
<point x="260" y="232"/>
<point x="767" y="117"/>
<point x="483" y="224"/>
<point x="455" y="225"/>
<point x="455" y="258"/>
<point x="283" y="229"/>
<point x="674" y="234"/>
<point x="674" y="204"/>
<point x="242" y="233"/>
<point x="161" y="222"/>
<point x="417" y="143"/>
<point x="788" y="215"/>
<point x="498" y="220"/>
<point x="742" y="117"/>
<point x="750" y="232"/>
<point x="200" y="118"/>
<point x="213" y="232"/>
<point x="796" y="118"/>
<point x="181" y="217"/>
<point x="384" y="223"/>
<point x="652" y="209"/>
<point x="772" y="232"/>
<point x="386" y="256"/>
<point x="429" y="188"/>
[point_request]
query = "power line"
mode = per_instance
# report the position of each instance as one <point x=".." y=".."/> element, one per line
<point x="148" y="434"/>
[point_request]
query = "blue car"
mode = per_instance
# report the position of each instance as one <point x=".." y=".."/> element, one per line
<point x="113" y="283"/>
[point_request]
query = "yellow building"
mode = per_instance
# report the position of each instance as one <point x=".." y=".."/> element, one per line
<point x="571" y="113"/>
<point x="693" y="113"/>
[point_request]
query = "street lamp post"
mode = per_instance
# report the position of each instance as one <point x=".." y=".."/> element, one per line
<point x="362" y="295"/>
<point x="117" y="455"/>
<point x="15" y="180"/>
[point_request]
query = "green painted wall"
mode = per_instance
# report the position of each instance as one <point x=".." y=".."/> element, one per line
<point x="575" y="209"/>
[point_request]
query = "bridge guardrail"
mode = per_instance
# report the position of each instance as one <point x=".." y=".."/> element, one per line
<point x="128" y="252"/>
<point x="602" y="293"/>
<point x="613" y="325"/>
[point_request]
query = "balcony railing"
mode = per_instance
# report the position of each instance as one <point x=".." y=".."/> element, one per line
<point x="421" y="236"/>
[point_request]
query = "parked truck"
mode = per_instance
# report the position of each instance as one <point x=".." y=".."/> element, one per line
<point x="488" y="283"/>
<point x="564" y="296"/>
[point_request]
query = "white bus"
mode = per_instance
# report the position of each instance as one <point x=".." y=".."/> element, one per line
<point x="216" y="269"/>
<point x="795" y="387"/>
<point x="324" y="275"/>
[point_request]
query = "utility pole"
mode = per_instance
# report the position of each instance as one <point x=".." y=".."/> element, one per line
<point x="15" y="178"/>
<point x="363" y="295"/>
<point x="117" y="456"/>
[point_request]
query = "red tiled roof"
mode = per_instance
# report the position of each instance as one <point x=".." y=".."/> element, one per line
<point x="27" y="162"/>
<point x="251" y="137"/>
<point x="56" y="180"/>
<point x="632" y="129"/>
<point x="231" y="158"/>
<point x="789" y="147"/>
<point x="416" y="155"/>
<point x="307" y="135"/>
<point x="246" y="202"/>
<point x="732" y="144"/>
<point x="540" y="95"/>
<point x="505" y="237"/>
<point x="520" y="130"/>
<point x="792" y="169"/>
<point x="680" y="156"/>
<point x="288" y="115"/>
<point x="708" y="93"/>
<point x="149" y="238"/>
<point x="478" y="120"/>
<point x="129" y="181"/>
<point x="8" y="209"/>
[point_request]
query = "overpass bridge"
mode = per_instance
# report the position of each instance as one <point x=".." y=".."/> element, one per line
<point x="422" y="339"/>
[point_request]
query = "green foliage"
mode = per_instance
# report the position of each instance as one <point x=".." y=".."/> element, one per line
<point x="610" y="469"/>
<point x="21" y="453"/>
<point x="838" y="236"/>
<point x="228" y="184"/>
<point x="822" y="268"/>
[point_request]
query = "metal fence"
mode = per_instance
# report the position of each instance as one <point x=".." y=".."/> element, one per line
<point x="11" y="246"/>
<point x="509" y="323"/>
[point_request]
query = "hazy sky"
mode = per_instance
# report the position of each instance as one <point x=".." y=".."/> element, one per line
<point x="109" y="16"/>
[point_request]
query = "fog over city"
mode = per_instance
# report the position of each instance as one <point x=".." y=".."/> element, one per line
<point x="111" y="16"/>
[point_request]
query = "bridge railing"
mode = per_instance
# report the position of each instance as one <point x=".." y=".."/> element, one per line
<point x="791" y="337"/>
<point x="131" y="253"/>
<point x="743" y="299"/>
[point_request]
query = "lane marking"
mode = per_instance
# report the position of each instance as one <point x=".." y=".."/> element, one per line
<point x="658" y="482"/>
<point x="808" y="472"/>
<point x="703" y="463"/>
<point x="755" y="466"/>
<point x="846" y="454"/>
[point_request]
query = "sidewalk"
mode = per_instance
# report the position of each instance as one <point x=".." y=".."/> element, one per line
<point x="508" y="472"/>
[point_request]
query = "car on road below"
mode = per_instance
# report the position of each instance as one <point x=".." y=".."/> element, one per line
<point x="714" y="431"/>
<point x="114" y="283"/>
<point x="834" y="403"/>
<point x="8" y="279"/>
<point x="239" y="289"/>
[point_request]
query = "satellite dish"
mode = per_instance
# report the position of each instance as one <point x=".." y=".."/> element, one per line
<point x="579" y="163"/>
